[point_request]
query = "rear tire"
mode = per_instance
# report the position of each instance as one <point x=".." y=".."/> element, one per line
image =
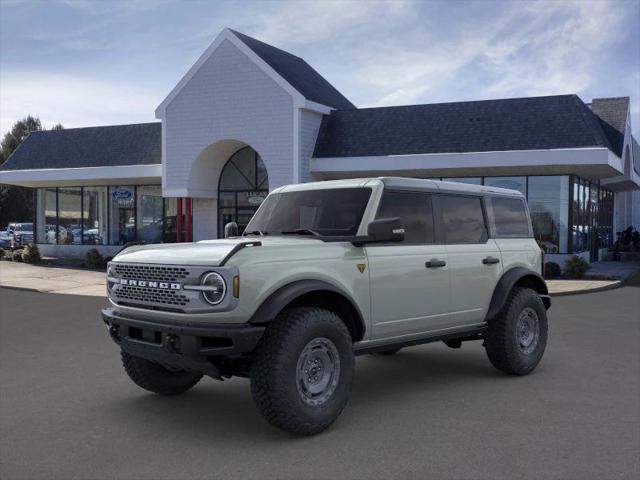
<point x="302" y="370"/>
<point x="156" y="378"/>
<point x="516" y="339"/>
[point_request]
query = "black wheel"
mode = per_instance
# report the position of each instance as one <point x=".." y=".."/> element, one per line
<point x="302" y="370"/>
<point x="392" y="351"/>
<point x="156" y="378"/>
<point x="516" y="339"/>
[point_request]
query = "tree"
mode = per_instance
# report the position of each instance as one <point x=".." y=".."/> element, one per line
<point x="16" y="203"/>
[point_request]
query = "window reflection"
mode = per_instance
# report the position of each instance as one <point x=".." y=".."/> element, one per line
<point x="512" y="183"/>
<point x="149" y="214"/>
<point x="94" y="205"/>
<point x="122" y="221"/>
<point x="549" y="207"/>
<point x="69" y="216"/>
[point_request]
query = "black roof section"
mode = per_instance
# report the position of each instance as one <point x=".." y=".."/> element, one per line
<point x="137" y="144"/>
<point x="612" y="113"/>
<point x="298" y="73"/>
<point x="534" y="123"/>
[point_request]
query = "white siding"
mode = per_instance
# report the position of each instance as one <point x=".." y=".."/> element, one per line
<point x="205" y="219"/>
<point x="309" y="126"/>
<point x="228" y="98"/>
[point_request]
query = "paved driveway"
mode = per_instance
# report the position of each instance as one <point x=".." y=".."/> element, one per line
<point x="68" y="411"/>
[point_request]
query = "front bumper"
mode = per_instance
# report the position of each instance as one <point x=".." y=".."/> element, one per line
<point x="181" y="347"/>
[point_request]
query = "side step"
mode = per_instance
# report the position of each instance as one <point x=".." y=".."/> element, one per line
<point x="476" y="333"/>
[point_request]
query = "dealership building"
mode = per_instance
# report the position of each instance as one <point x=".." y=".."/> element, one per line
<point x="248" y="118"/>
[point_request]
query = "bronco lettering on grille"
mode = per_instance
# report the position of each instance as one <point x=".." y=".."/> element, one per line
<point x="145" y="283"/>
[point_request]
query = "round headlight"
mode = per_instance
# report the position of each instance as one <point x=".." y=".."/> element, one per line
<point x="216" y="288"/>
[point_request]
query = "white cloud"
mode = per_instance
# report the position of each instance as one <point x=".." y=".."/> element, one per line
<point x="305" y="22"/>
<point x="72" y="100"/>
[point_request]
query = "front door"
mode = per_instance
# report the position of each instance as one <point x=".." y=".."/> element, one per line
<point x="409" y="280"/>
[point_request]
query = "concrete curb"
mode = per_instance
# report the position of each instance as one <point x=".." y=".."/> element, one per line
<point x="613" y="286"/>
<point x="26" y="289"/>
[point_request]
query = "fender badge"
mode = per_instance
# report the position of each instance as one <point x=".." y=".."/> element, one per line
<point x="361" y="267"/>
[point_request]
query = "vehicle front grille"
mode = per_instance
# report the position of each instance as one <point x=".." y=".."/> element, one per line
<point x="133" y="294"/>
<point x="151" y="272"/>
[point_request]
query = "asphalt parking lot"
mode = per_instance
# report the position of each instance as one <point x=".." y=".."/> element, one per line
<point x="68" y="411"/>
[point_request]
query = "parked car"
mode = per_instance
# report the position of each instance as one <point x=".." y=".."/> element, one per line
<point x="18" y="235"/>
<point x="326" y="271"/>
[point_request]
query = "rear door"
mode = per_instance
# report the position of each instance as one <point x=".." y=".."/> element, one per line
<point x="475" y="262"/>
<point x="409" y="280"/>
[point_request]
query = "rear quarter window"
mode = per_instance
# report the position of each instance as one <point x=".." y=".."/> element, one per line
<point x="463" y="219"/>
<point x="509" y="216"/>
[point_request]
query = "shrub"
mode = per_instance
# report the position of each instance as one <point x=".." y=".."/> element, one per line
<point x="576" y="267"/>
<point x="2" y="253"/>
<point x="31" y="254"/>
<point x="551" y="270"/>
<point x="94" y="259"/>
<point x="16" y="256"/>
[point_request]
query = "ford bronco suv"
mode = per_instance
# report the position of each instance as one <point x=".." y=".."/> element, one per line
<point x="324" y="272"/>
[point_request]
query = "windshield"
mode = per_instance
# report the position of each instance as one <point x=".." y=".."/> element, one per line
<point x="326" y="212"/>
<point x="23" y="227"/>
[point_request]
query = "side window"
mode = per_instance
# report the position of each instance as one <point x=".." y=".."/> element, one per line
<point x="414" y="209"/>
<point x="510" y="217"/>
<point x="463" y="219"/>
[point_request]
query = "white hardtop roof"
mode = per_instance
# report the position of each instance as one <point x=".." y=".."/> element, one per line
<point x="401" y="183"/>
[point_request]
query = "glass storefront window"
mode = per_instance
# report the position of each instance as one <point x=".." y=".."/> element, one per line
<point x="170" y="220"/>
<point x="149" y="213"/>
<point x="243" y="186"/>
<point x="513" y="183"/>
<point x="46" y="215"/>
<point x="122" y="219"/>
<point x="70" y="216"/>
<point x="468" y="180"/>
<point x="94" y="215"/>
<point x="549" y="206"/>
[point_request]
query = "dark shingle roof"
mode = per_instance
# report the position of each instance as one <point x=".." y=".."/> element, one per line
<point x="534" y="123"/>
<point x="298" y="73"/>
<point x="613" y="116"/>
<point x="137" y="144"/>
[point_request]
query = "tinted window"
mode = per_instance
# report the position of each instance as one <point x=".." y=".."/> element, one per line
<point x="329" y="212"/>
<point x="414" y="209"/>
<point x="510" y="217"/>
<point x="463" y="219"/>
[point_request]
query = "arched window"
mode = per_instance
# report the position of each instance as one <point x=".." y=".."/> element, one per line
<point x="243" y="186"/>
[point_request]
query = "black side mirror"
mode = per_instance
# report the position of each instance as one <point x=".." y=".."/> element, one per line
<point x="385" y="230"/>
<point x="231" y="230"/>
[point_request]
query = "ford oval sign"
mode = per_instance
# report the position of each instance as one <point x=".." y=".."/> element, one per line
<point x="122" y="194"/>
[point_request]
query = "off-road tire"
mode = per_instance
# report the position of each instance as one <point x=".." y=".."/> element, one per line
<point x="156" y="378"/>
<point x="386" y="353"/>
<point x="502" y="342"/>
<point x="274" y="373"/>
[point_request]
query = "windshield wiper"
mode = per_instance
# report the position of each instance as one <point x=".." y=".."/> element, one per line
<point x="301" y="231"/>
<point x="255" y="232"/>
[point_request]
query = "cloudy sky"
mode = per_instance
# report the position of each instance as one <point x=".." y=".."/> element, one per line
<point x="82" y="62"/>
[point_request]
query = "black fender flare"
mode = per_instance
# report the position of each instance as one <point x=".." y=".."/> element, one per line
<point x="278" y="300"/>
<point x="506" y="283"/>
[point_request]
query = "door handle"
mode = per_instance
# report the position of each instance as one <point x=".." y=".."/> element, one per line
<point x="435" y="263"/>
<point x="490" y="260"/>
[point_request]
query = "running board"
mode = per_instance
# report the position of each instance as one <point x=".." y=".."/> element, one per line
<point x="476" y="333"/>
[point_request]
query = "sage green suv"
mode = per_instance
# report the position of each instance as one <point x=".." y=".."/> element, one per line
<point x="324" y="272"/>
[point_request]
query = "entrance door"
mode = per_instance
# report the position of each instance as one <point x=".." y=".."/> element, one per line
<point x="244" y="184"/>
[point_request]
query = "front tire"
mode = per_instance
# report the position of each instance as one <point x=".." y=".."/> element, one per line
<point x="156" y="378"/>
<point x="516" y="339"/>
<point x="302" y="370"/>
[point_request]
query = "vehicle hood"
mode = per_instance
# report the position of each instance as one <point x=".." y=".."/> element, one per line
<point x="207" y="252"/>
